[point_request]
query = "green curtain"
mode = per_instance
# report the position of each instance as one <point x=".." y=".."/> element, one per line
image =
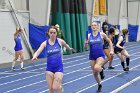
<point x="71" y="15"/>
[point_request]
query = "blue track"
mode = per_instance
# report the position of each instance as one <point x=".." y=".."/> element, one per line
<point x="78" y="77"/>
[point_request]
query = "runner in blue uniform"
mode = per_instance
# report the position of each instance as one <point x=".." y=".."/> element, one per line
<point x="54" y="70"/>
<point x="96" y="55"/>
<point x="121" y="51"/>
<point x="18" y="49"/>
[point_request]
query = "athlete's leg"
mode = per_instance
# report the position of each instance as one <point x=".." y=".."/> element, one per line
<point x="106" y="51"/>
<point x="109" y="58"/>
<point x="15" y="59"/>
<point x="57" y="83"/>
<point x="95" y="74"/>
<point x="98" y="65"/>
<point x="21" y="59"/>
<point x="95" y="70"/>
<point x="122" y="60"/>
<point x="50" y="79"/>
<point x="98" y="68"/>
<point x="125" y="53"/>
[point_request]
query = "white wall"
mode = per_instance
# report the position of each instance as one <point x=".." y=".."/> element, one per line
<point x="39" y="11"/>
<point x="138" y="37"/>
<point x="114" y="11"/>
<point x="132" y="12"/>
<point x="89" y="8"/>
<point x="123" y="20"/>
<point x="134" y="15"/>
<point x="3" y="4"/>
<point x="7" y="29"/>
<point x="19" y="4"/>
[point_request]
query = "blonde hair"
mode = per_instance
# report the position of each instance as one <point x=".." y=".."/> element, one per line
<point x="56" y="25"/>
<point x="125" y="31"/>
<point x="18" y="29"/>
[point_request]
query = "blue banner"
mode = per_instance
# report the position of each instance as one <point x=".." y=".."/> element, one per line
<point x="37" y="34"/>
<point x="133" y="31"/>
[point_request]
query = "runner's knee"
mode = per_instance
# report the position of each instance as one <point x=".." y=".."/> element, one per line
<point x="57" y="84"/>
<point x="97" y="68"/>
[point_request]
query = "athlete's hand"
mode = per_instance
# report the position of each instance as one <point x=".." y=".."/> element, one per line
<point x="112" y="53"/>
<point x="85" y="44"/>
<point x="124" y="47"/>
<point x="34" y="58"/>
<point x="73" y="50"/>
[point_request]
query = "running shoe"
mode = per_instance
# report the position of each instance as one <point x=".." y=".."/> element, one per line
<point x="99" y="88"/>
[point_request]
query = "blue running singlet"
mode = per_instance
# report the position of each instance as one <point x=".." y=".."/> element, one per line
<point x="54" y="57"/>
<point x="96" y="47"/>
<point x="18" y="45"/>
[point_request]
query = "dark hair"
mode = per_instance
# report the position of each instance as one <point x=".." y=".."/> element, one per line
<point x="104" y="23"/>
<point x="103" y="26"/>
<point x="111" y="30"/>
<point x="20" y="29"/>
<point x="51" y="27"/>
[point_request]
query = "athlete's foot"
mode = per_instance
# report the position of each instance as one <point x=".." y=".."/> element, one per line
<point x="103" y="67"/>
<point x="22" y="68"/>
<point x="62" y="90"/>
<point x="13" y="68"/>
<point x="102" y="74"/>
<point x="110" y="67"/>
<point x="127" y="68"/>
<point x="124" y="69"/>
<point x="99" y="88"/>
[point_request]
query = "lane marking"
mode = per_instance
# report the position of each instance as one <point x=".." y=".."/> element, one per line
<point x="105" y="79"/>
<point x="125" y="85"/>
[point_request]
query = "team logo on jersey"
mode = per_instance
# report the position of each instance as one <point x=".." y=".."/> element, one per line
<point x="95" y="40"/>
<point x="53" y="50"/>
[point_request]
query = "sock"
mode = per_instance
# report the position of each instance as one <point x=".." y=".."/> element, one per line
<point x="122" y="63"/>
<point x="21" y="64"/>
<point x="102" y="74"/>
<point x="13" y="64"/>
<point x="127" y="61"/>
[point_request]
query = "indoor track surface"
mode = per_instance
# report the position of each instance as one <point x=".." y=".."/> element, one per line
<point x="78" y="76"/>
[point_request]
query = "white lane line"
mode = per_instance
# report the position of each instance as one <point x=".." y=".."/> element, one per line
<point x="133" y="46"/>
<point x="81" y="56"/>
<point x="44" y="67"/>
<point x="128" y="47"/>
<point x="96" y="83"/>
<point x="32" y="72"/>
<point x="136" y="55"/>
<point x="43" y="81"/>
<point x="125" y="85"/>
<point x="43" y="73"/>
<point x="106" y="79"/>
<point x="40" y="68"/>
<point x="81" y="70"/>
